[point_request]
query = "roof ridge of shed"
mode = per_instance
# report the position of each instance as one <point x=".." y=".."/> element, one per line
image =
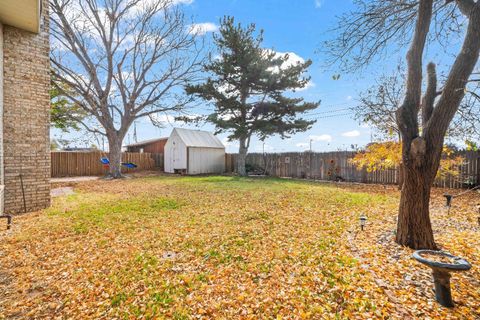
<point x="199" y="138"/>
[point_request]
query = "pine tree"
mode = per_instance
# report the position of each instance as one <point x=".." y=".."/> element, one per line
<point x="247" y="87"/>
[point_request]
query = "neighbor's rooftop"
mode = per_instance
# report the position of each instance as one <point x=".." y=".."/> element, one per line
<point x="144" y="142"/>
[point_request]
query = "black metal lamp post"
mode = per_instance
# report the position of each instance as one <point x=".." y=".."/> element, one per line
<point x="448" y="198"/>
<point x="363" y="221"/>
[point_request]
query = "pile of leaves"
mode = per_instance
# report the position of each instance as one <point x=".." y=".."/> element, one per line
<point x="227" y="247"/>
<point x="409" y="284"/>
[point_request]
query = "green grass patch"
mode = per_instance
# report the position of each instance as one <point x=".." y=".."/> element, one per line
<point x="250" y="236"/>
<point x="85" y="211"/>
<point x="118" y="299"/>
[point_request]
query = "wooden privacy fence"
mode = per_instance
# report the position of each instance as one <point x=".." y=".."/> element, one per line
<point x="332" y="165"/>
<point x="158" y="159"/>
<point x="230" y="162"/>
<point x="70" y="164"/>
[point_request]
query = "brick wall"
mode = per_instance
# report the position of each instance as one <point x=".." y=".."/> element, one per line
<point x="26" y="106"/>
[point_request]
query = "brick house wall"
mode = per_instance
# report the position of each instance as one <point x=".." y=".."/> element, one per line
<point x="26" y="104"/>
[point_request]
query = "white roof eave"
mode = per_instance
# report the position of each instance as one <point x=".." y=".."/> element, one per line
<point x="23" y="14"/>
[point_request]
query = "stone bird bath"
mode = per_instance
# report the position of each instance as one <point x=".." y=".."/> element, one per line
<point x="442" y="264"/>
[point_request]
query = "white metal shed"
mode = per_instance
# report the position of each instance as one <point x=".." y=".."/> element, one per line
<point x="194" y="152"/>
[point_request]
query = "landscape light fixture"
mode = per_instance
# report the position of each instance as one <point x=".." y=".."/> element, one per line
<point x="448" y="198"/>
<point x="363" y="221"/>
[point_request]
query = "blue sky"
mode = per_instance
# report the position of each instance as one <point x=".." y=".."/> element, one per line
<point x="297" y="27"/>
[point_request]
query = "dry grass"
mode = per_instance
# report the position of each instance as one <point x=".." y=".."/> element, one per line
<point x="224" y="247"/>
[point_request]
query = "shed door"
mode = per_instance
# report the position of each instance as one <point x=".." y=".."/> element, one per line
<point x="175" y="155"/>
<point x="178" y="159"/>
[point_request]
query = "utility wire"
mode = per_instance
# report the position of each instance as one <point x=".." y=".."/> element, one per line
<point x="333" y="116"/>
<point x="328" y="111"/>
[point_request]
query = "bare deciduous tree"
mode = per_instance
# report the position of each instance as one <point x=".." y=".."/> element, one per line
<point x="366" y="33"/>
<point x="122" y="60"/>
<point x="378" y="104"/>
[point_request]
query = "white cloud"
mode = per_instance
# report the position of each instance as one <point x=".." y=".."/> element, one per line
<point x="318" y="3"/>
<point x="303" y="145"/>
<point x="227" y="116"/>
<point x="228" y="90"/>
<point x="322" y="137"/>
<point x="293" y="59"/>
<point x="202" y="28"/>
<point x="310" y="84"/>
<point x="348" y="98"/>
<point x="351" y="134"/>
<point x="182" y="1"/>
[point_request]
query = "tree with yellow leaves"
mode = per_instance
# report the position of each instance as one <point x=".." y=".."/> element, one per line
<point x="388" y="155"/>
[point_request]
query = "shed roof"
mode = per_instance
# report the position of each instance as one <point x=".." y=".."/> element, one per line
<point x="198" y="138"/>
<point x="144" y="142"/>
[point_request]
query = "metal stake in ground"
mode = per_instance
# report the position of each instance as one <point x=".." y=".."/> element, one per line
<point x="363" y="221"/>
<point x="23" y="194"/>
<point x="449" y="197"/>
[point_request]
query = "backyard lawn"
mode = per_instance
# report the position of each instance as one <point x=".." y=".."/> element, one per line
<point x="228" y="247"/>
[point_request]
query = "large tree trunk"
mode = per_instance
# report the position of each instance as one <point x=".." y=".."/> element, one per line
<point x="115" y="156"/>
<point x="242" y="155"/>
<point x="400" y="176"/>
<point x="420" y="167"/>
<point x="414" y="228"/>
<point x="421" y="154"/>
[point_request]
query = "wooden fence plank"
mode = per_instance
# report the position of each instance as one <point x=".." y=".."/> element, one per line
<point x="318" y="166"/>
<point x="69" y="164"/>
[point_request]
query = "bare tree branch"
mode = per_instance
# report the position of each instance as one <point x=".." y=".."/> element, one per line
<point x="376" y="26"/>
<point x="407" y="114"/>
<point x="430" y="94"/>
<point x="124" y="59"/>
<point x="455" y="86"/>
